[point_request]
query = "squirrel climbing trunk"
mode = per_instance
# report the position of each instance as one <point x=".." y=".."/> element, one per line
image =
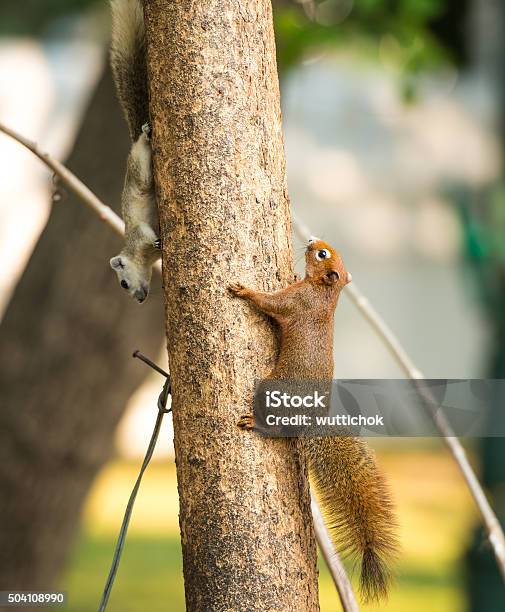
<point x="352" y="492"/>
<point x="246" y="528"/>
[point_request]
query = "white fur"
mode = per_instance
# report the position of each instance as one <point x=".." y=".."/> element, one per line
<point x="138" y="202"/>
<point x="134" y="264"/>
<point x="137" y="276"/>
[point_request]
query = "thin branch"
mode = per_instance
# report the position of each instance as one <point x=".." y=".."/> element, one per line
<point x="493" y="527"/>
<point x="107" y="215"/>
<point x="71" y="181"/>
<point x="333" y="562"/>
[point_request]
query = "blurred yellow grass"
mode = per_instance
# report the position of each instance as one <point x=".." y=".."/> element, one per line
<point x="435" y="511"/>
<point x="156" y="507"/>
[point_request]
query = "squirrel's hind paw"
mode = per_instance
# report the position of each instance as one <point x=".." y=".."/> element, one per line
<point x="246" y="422"/>
<point x="157" y="244"/>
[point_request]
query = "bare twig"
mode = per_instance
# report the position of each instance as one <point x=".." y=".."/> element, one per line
<point x="109" y="216"/>
<point x="333" y="562"/>
<point x="71" y="181"/>
<point x="493" y="527"/>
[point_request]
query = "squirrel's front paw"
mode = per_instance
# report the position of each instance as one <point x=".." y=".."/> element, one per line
<point x="246" y="422"/>
<point x="146" y="129"/>
<point x="237" y="289"/>
<point x="157" y="244"/>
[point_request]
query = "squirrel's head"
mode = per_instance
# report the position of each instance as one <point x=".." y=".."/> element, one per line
<point x="133" y="277"/>
<point x="324" y="265"/>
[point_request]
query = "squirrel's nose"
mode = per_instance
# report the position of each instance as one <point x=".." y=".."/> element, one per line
<point x="140" y="295"/>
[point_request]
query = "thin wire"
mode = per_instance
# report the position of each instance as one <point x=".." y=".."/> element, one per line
<point x="162" y="410"/>
<point x="138" y="355"/>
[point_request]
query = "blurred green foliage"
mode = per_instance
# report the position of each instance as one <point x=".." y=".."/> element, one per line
<point x="395" y="31"/>
<point x="483" y="219"/>
<point x="33" y="17"/>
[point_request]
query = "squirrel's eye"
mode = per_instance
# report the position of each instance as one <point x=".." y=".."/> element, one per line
<point x="124" y="284"/>
<point x="322" y="254"/>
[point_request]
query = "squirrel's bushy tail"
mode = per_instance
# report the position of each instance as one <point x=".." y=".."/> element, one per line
<point x="357" y="507"/>
<point x="128" y="61"/>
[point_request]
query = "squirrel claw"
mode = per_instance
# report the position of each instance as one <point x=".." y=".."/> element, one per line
<point x="157" y="244"/>
<point x="146" y="129"/>
<point x="237" y="288"/>
<point x="246" y="422"/>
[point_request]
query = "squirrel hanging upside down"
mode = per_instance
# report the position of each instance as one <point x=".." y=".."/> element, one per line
<point x="133" y="265"/>
<point x="352" y="491"/>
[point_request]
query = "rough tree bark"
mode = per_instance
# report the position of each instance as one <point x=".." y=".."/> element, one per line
<point x="245" y="519"/>
<point x="66" y="370"/>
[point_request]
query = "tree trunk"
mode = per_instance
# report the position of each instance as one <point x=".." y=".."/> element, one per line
<point x="66" y="370"/>
<point x="245" y="520"/>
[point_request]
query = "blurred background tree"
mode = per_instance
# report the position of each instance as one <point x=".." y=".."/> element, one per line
<point x="66" y="340"/>
<point x="66" y="370"/>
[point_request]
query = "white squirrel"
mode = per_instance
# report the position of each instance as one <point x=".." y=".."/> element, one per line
<point x="133" y="265"/>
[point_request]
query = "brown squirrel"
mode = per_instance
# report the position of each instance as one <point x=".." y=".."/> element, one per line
<point x="352" y="491"/>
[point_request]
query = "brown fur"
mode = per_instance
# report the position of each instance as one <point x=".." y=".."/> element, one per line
<point x="352" y="491"/>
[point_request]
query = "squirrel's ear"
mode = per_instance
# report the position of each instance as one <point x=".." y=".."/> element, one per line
<point x="116" y="263"/>
<point x="331" y="277"/>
